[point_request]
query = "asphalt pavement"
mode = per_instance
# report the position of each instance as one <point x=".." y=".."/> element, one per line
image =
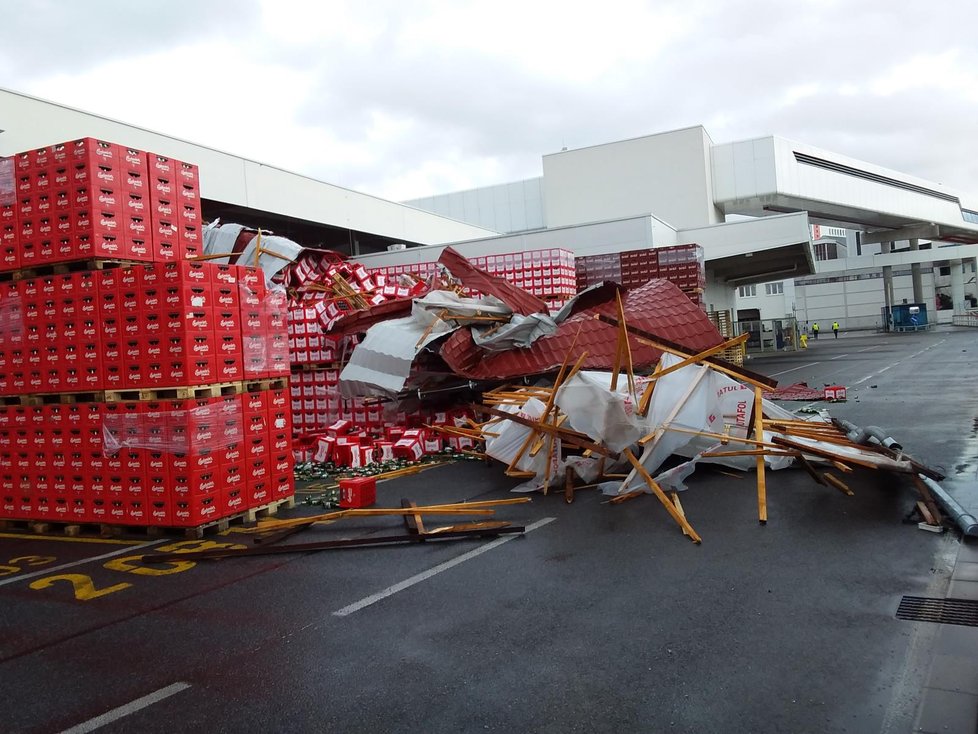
<point x="601" y="618"/>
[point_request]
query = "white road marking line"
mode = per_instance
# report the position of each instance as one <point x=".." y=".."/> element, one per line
<point x="811" y="364"/>
<point x="839" y="357"/>
<point x="890" y="366"/>
<point x="866" y="349"/>
<point x="434" y="570"/>
<point x="46" y="571"/>
<point x="129" y="708"/>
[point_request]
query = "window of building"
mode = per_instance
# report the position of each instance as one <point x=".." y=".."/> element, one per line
<point x="747" y="290"/>
<point x="773" y="289"/>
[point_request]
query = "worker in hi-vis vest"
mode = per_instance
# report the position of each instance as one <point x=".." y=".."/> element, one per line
<point x="835" y="329"/>
<point x="815" y="331"/>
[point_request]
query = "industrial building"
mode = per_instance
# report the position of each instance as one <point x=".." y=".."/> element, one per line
<point x="750" y="205"/>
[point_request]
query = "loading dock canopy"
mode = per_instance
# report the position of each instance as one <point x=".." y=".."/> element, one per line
<point x="756" y="250"/>
<point x="791" y="261"/>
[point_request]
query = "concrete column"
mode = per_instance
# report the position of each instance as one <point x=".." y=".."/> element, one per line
<point x="957" y="286"/>
<point x="887" y="284"/>
<point x="918" y="285"/>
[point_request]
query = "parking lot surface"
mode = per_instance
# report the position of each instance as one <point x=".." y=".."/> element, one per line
<point x="601" y="618"/>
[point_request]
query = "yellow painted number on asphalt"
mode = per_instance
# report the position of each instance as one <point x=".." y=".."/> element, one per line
<point x="11" y="569"/>
<point x="83" y="585"/>
<point x="33" y="560"/>
<point x="190" y="546"/>
<point x="130" y="564"/>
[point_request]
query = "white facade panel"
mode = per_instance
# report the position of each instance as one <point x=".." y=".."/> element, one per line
<point x="765" y="172"/>
<point x="31" y="123"/>
<point x="517" y="209"/>
<point x="667" y="174"/>
<point x="748" y="235"/>
<point x="509" y="207"/>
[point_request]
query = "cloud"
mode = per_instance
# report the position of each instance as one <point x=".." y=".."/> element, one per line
<point x="47" y="36"/>
<point x="409" y="99"/>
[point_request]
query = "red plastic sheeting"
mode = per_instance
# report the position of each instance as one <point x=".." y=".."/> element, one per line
<point x="514" y="297"/>
<point x="798" y="391"/>
<point x="658" y="307"/>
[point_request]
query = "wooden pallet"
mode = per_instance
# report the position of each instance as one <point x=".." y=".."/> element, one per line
<point x="185" y="392"/>
<point x="182" y="392"/>
<point x="70" y="266"/>
<point x="110" y="530"/>
<point x="62" y="398"/>
<point x="270" y="383"/>
<point x="315" y="366"/>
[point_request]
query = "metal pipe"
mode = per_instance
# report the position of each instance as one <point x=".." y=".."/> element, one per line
<point x="869" y="434"/>
<point x="964" y="519"/>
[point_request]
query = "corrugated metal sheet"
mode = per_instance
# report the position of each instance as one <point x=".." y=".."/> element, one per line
<point x="381" y="363"/>
<point x="658" y="307"/>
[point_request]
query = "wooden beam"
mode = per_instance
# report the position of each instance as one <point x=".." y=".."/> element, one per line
<point x="816" y="451"/>
<point x="722" y="437"/>
<point x="838" y="484"/>
<point x="701" y="357"/>
<point x="657" y="490"/>
<point x="571" y="438"/>
<point x="807" y="466"/>
<point x="674" y="496"/>
<point x="729" y="368"/>
<point x="759" y="435"/>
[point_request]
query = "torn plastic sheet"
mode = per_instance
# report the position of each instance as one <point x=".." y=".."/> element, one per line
<point x="437" y="301"/>
<point x="607" y="416"/>
<point x="698" y="399"/>
<point x="509" y="438"/>
<point x="220" y="239"/>
<point x="203" y="428"/>
<point x="521" y="331"/>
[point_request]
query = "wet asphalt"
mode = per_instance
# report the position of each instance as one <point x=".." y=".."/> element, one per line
<point x="603" y="618"/>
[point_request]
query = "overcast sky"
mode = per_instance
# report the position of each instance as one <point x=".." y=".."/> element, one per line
<point x="406" y="99"/>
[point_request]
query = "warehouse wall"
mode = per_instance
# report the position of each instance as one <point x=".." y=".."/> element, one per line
<point x="508" y="207"/>
<point x="856" y="298"/>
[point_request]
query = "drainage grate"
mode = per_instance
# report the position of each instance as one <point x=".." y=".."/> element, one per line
<point x="942" y="611"/>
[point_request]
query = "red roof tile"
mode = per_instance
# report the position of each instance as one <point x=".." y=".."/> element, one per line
<point x="357" y="321"/>
<point x="658" y="307"/>
<point x="472" y="277"/>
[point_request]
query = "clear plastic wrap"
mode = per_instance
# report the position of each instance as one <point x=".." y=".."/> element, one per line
<point x="205" y="424"/>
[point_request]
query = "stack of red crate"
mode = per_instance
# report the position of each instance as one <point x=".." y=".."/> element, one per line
<point x="89" y="198"/>
<point x="168" y="462"/>
<point x="164" y="324"/>
<point x="148" y="326"/>
<point x="680" y="264"/>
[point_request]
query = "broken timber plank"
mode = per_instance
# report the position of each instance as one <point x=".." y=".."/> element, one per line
<point x="701" y="357"/>
<point x="657" y="490"/>
<point x="838" y="484"/>
<point x="816" y="451"/>
<point x="729" y="368"/>
<point x="569" y="437"/>
<point x="759" y="435"/>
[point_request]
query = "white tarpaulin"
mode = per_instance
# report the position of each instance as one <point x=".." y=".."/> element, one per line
<point x="509" y="436"/>
<point x="694" y="398"/>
